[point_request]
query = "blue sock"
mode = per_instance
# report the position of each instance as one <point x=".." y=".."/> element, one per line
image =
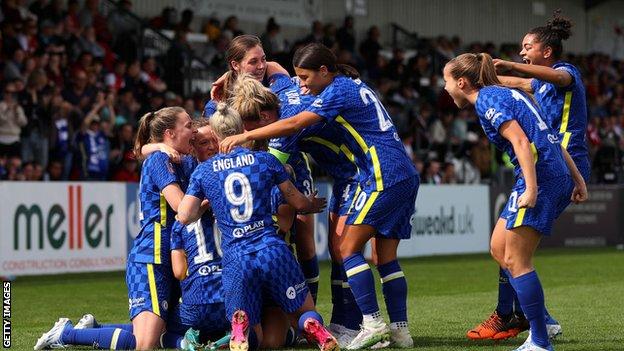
<point x="506" y="294"/>
<point x="100" y="338"/>
<point x="310" y="269"/>
<point x="337" y="315"/>
<point x="531" y="296"/>
<point x="362" y="283"/>
<point x="352" y="314"/>
<point x="171" y="341"/>
<point x="126" y="327"/>
<point x="394" y="287"/>
<point x="309" y="314"/>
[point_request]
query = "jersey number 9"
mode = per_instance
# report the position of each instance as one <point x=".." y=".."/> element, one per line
<point x="245" y="198"/>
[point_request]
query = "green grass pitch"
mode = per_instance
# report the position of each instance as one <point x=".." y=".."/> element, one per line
<point x="447" y="295"/>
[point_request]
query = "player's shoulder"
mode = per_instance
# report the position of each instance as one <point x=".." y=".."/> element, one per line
<point x="492" y="96"/>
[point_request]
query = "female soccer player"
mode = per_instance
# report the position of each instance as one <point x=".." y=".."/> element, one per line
<point x="543" y="182"/>
<point x="387" y="185"/>
<point x="258" y="107"/>
<point x="256" y="260"/>
<point x="558" y="88"/>
<point x="246" y="56"/>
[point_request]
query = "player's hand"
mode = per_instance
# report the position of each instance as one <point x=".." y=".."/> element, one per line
<point x="216" y="93"/>
<point x="579" y="194"/>
<point x="527" y="199"/>
<point x="174" y="156"/>
<point x="317" y="204"/>
<point x="226" y="145"/>
<point x="502" y="66"/>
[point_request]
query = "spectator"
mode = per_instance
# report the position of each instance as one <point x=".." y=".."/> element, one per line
<point x="329" y="37"/>
<point x="127" y="107"/>
<point x="121" y="143"/>
<point x="87" y="43"/>
<point x="186" y="20"/>
<point x="316" y="36"/>
<point x="346" y="35"/>
<point x="128" y="172"/>
<point x="369" y="49"/>
<point x="92" y="150"/>
<point x="272" y="42"/>
<point x="12" y="119"/>
<point x="116" y="79"/>
<point x="154" y="82"/>
<point x="448" y="174"/>
<point x="14" y="169"/>
<point x="55" y="171"/>
<point x="34" y="135"/>
<point x="125" y="31"/>
<point x="481" y="156"/>
<point x="80" y="94"/>
<point x="432" y="173"/>
<point x="230" y="28"/>
<point x="13" y="68"/>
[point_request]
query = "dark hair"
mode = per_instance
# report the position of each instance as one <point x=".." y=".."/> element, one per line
<point x="152" y="127"/>
<point x="553" y="33"/>
<point x="478" y="69"/>
<point x="315" y="55"/>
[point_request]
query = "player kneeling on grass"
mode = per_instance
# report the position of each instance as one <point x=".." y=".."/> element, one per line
<point x="255" y="259"/>
<point x="196" y="262"/>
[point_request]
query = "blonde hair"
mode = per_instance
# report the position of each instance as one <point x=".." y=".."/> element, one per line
<point x="249" y="97"/>
<point x="478" y="69"/>
<point x="226" y="121"/>
<point x="152" y="127"/>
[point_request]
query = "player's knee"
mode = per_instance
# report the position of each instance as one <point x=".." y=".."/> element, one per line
<point x="510" y="262"/>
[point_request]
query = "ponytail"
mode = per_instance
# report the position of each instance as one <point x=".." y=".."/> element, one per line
<point x="347" y="70"/>
<point x="143" y="134"/>
<point x="478" y="69"/>
<point x="487" y="71"/>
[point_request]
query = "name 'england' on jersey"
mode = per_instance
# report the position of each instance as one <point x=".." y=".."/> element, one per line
<point x="497" y="105"/>
<point x="238" y="186"/>
<point x="368" y="132"/>
<point x="202" y="247"/>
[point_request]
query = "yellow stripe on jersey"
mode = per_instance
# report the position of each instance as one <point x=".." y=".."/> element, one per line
<point x="367" y="206"/>
<point x="333" y="147"/>
<point x="519" y="217"/>
<point x="565" y="118"/>
<point x="158" y="229"/>
<point x="345" y="150"/>
<point x="376" y="168"/>
<point x="534" y="152"/>
<point x="153" y="292"/>
<point x="357" y="269"/>
<point x="281" y="156"/>
<point x="358" y="138"/>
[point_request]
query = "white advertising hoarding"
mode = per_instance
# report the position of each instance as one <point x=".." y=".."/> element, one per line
<point x="449" y="219"/>
<point x="62" y="227"/>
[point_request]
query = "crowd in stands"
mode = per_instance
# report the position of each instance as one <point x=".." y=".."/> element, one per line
<point x="74" y="86"/>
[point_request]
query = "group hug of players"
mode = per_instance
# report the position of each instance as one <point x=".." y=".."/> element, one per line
<point x="245" y="166"/>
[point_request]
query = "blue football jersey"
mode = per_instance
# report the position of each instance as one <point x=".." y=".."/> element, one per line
<point x="156" y="216"/>
<point x="368" y="132"/>
<point x="497" y="105"/>
<point x="565" y="111"/>
<point x="203" y="254"/>
<point x="327" y="147"/>
<point x="238" y="186"/>
<point x="209" y="108"/>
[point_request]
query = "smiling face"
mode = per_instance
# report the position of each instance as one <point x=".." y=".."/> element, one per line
<point x="182" y="134"/>
<point x="205" y="143"/>
<point x="533" y="52"/>
<point x="314" y="80"/>
<point x="253" y="63"/>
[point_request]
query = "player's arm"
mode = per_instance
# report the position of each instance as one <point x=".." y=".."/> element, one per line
<point x="179" y="264"/>
<point x="285" y="217"/>
<point x="557" y="77"/>
<point x="150" y="148"/>
<point x="283" y="127"/>
<point x="173" y="194"/>
<point x="512" y="131"/>
<point x="579" y="194"/>
<point x="300" y="202"/>
<point x="517" y="83"/>
<point x="189" y="209"/>
<point x="275" y="68"/>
